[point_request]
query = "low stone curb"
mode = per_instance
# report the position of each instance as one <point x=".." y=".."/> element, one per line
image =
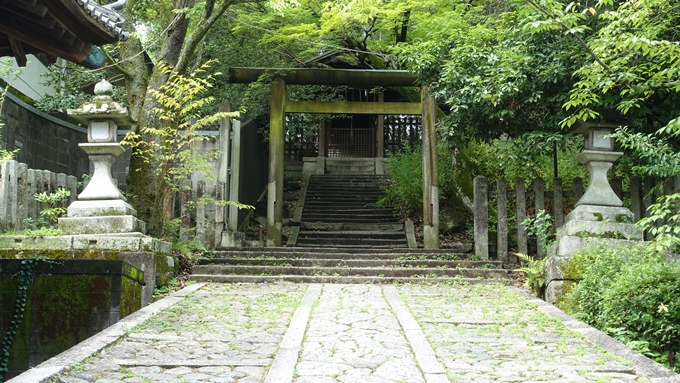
<point x="283" y="366"/>
<point x="643" y="365"/>
<point x="52" y="367"/>
<point x="433" y="370"/>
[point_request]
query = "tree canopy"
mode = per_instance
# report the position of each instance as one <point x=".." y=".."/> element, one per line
<point x="497" y="68"/>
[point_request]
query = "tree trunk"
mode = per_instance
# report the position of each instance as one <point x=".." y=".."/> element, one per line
<point x="142" y="182"/>
<point x="177" y="51"/>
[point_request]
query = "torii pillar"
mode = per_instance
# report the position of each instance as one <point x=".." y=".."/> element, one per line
<point x="430" y="171"/>
<point x="277" y="129"/>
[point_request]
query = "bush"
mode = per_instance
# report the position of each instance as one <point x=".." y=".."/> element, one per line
<point x="405" y="170"/>
<point x="630" y="293"/>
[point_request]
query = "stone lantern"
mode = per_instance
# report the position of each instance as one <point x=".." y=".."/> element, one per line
<point x="599" y="216"/>
<point x="101" y="208"/>
<point x="598" y="156"/>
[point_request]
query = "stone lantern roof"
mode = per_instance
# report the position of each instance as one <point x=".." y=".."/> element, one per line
<point x="102" y="106"/>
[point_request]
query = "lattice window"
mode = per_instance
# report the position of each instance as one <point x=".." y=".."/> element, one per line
<point x="298" y="145"/>
<point x="400" y="131"/>
<point x="349" y="142"/>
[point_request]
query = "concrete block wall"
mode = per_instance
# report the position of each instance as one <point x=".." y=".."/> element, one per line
<point x="44" y="141"/>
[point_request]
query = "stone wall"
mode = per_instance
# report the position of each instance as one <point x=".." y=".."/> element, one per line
<point x="44" y="141"/>
<point x="68" y="302"/>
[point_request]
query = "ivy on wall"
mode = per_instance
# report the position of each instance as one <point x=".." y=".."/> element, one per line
<point x="25" y="277"/>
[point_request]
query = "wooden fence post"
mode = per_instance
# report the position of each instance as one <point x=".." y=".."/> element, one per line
<point x="72" y="186"/>
<point x="4" y="195"/>
<point x="200" y="213"/>
<point x="647" y="201"/>
<point x="185" y="197"/>
<point x="577" y="189"/>
<point x="219" y="213"/>
<point x="636" y="198"/>
<point x="502" y="228"/>
<point x="22" y="196"/>
<point x="31" y="188"/>
<point x="521" y="203"/>
<point x="481" y="224"/>
<point x="12" y="200"/>
<point x="558" y="202"/>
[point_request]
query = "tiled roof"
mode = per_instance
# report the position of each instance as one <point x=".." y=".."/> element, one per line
<point x="108" y="18"/>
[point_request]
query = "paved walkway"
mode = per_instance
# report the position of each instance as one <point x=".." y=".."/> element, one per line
<point x="321" y="333"/>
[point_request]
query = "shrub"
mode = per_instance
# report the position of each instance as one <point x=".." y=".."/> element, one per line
<point x="630" y="293"/>
<point x="405" y="170"/>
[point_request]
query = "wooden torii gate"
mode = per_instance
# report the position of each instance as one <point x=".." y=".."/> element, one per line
<point x="280" y="105"/>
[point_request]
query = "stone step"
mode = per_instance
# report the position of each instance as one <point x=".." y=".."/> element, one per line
<point x="329" y="217"/>
<point x="305" y="234"/>
<point x="346" y="204"/>
<point x="345" y="186"/>
<point x="343" y="253"/>
<point x="340" y="279"/>
<point x="344" y="197"/>
<point x="340" y="245"/>
<point x="344" y="242"/>
<point x="356" y="210"/>
<point x="408" y="272"/>
<point x="350" y="220"/>
<point x="366" y="254"/>
<point x="343" y="193"/>
<point x="339" y="262"/>
<point x="351" y="226"/>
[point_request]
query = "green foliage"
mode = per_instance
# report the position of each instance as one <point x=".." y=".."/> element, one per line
<point x="633" y="64"/>
<point x="529" y="156"/>
<point x="534" y="273"/>
<point x="654" y="154"/>
<point x="170" y="149"/>
<point x="666" y="210"/>
<point x="172" y="285"/>
<point x="631" y="293"/>
<point x="73" y="86"/>
<point x="541" y="227"/>
<point x="24" y="277"/>
<point x="658" y="155"/>
<point x="405" y="170"/>
<point x="54" y="204"/>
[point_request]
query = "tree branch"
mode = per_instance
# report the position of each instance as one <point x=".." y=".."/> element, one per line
<point x="577" y="37"/>
<point x="200" y="31"/>
<point x="114" y="64"/>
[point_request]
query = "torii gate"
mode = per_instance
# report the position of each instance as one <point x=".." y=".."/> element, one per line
<point x="280" y="105"/>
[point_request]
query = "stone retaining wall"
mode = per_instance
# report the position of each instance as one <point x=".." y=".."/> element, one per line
<point x="68" y="302"/>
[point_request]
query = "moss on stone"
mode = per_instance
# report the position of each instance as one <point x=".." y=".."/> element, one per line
<point x="163" y="271"/>
<point x="59" y="254"/>
<point x="130" y="297"/>
<point x="561" y="295"/>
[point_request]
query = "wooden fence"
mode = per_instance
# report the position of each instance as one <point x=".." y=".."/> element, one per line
<point x="203" y="222"/>
<point x="558" y="202"/>
<point x="18" y="186"/>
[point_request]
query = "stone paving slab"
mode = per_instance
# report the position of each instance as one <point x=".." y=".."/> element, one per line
<point x="485" y="333"/>
<point x="349" y="333"/>
<point x="354" y="336"/>
<point x="221" y="333"/>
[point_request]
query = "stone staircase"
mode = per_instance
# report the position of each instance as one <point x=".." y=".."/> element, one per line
<point x="347" y="265"/>
<point x="341" y="211"/>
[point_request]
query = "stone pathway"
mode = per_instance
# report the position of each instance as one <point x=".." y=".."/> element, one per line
<point x="319" y="333"/>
